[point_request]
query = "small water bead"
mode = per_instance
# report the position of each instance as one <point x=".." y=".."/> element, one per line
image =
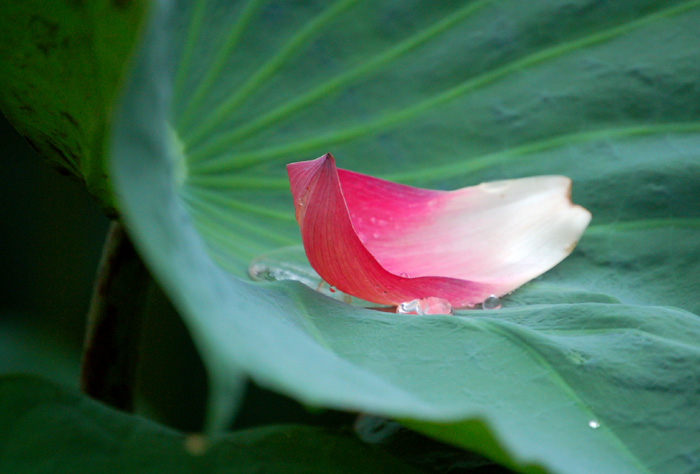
<point x="423" y="306"/>
<point x="290" y="263"/>
<point x="404" y="275"/>
<point x="492" y="302"/>
<point x="595" y="424"/>
<point x="409" y="307"/>
<point x="261" y="272"/>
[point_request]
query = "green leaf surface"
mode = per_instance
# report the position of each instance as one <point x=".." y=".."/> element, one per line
<point x="61" y="67"/>
<point x="49" y="429"/>
<point x="593" y="367"/>
<point x="28" y="349"/>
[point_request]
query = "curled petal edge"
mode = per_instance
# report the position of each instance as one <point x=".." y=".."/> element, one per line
<point x="388" y="243"/>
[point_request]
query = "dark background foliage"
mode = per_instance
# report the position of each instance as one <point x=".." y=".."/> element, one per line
<point x="51" y="233"/>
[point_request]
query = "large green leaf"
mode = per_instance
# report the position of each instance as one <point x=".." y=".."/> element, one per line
<point x="592" y="368"/>
<point x="61" y="67"/>
<point x="49" y="429"/>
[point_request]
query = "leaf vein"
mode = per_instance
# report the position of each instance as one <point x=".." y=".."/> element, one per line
<point x="393" y="119"/>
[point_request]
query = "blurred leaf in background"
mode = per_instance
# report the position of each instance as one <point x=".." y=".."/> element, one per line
<point x="52" y="232"/>
<point x="62" y="64"/>
<point x="48" y="427"/>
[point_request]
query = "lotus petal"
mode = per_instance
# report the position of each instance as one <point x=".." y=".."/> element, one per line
<point x="388" y="243"/>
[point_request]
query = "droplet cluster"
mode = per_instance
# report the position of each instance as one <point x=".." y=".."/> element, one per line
<point x="422" y="306"/>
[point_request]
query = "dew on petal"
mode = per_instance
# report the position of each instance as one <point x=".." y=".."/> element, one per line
<point x="433" y="234"/>
<point x="492" y="302"/>
<point x="595" y="424"/>
<point x="422" y="306"/>
<point x="404" y="275"/>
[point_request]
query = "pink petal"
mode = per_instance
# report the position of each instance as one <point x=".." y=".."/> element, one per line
<point x="389" y="243"/>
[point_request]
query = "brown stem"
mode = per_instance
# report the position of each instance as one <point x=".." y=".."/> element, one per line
<point x="114" y="323"/>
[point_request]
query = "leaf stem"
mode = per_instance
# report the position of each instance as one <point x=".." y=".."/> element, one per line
<point x="114" y="323"/>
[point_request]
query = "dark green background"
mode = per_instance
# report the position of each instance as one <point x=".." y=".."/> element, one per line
<point x="51" y="233"/>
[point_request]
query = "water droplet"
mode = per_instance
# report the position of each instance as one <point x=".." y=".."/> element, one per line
<point x="261" y="272"/>
<point x="284" y="265"/>
<point x="433" y="305"/>
<point x="595" y="424"/>
<point x="409" y="307"/>
<point x="290" y="263"/>
<point x="429" y="305"/>
<point x="404" y="275"/>
<point x="492" y="302"/>
<point x="373" y="220"/>
<point x="375" y="235"/>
